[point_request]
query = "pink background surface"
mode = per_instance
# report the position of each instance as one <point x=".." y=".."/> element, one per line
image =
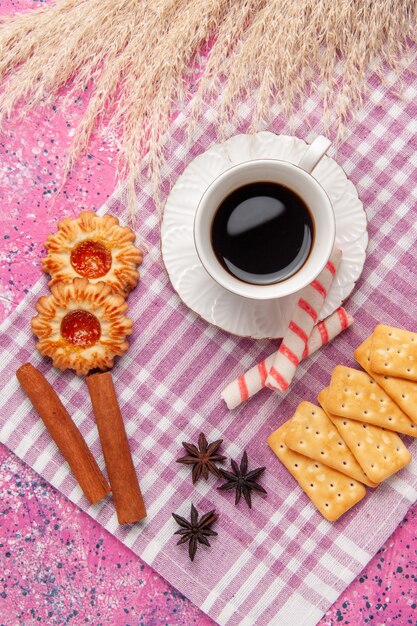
<point x="56" y="564"/>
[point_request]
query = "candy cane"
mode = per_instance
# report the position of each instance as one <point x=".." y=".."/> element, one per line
<point x="304" y="318"/>
<point x="254" y="379"/>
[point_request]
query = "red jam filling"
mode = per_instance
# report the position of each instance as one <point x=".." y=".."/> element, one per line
<point x="91" y="259"/>
<point x="80" y="328"/>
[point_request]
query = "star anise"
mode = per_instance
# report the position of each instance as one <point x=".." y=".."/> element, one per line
<point x="202" y="458"/>
<point x="242" y="480"/>
<point x="195" y="531"/>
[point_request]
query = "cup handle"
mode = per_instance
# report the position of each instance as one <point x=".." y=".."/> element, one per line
<point x="314" y="153"/>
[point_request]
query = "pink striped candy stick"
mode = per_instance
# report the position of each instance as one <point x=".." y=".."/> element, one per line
<point x="304" y="318"/>
<point x="248" y="384"/>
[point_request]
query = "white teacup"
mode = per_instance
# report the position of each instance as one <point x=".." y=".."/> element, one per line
<point x="298" y="179"/>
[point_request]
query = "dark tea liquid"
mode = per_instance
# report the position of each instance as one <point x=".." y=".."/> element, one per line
<point x="262" y="233"/>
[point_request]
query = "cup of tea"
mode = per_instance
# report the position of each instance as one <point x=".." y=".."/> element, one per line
<point x="265" y="228"/>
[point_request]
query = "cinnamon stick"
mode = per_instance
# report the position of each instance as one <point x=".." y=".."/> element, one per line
<point x="64" y="432"/>
<point x="123" y="480"/>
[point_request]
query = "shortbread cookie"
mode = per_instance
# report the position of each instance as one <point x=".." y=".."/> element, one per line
<point x="402" y="391"/>
<point x="330" y="491"/>
<point x="354" y="394"/>
<point x="81" y="326"/>
<point x="311" y="433"/>
<point x="394" y="352"/>
<point x="96" y="248"/>
<point x="379" y="452"/>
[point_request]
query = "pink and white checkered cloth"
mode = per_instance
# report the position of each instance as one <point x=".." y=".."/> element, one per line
<point x="281" y="562"/>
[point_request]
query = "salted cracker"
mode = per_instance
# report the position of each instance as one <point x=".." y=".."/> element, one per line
<point x="379" y="452"/>
<point x="354" y="394"/>
<point x="394" y="352"/>
<point x="330" y="491"/>
<point x="311" y="433"/>
<point x="402" y="391"/>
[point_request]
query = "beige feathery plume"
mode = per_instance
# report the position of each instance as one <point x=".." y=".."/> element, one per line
<point x="139" y="56"/>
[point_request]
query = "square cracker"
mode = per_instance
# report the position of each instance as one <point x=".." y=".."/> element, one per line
<point x="354" y="394"/>
<point x="330" y="491"/>
<point x="402" y="391"/>
<point x="379" y="452"/>
<point x="311" y="433"/>
<point x="394" y="352"/>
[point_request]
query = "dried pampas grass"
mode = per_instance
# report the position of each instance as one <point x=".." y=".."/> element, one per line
<point x="140" y="55"/>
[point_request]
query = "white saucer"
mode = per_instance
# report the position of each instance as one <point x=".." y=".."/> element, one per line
<point x="237" y="315"/>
